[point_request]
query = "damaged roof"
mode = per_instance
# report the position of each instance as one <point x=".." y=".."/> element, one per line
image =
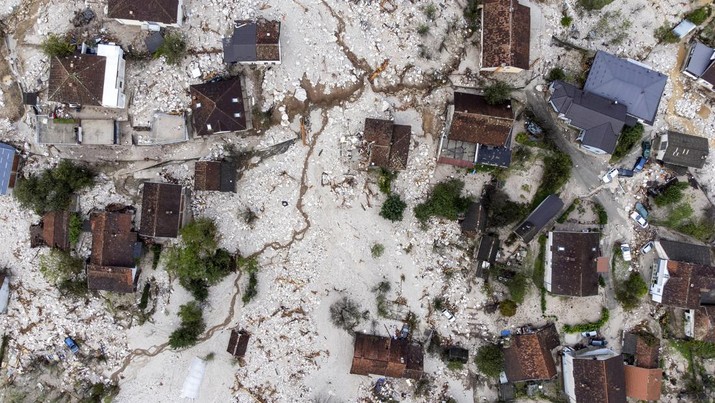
<point x="688" y="284"/>
<point x="77" y="79"/>
<point x="113" y="239"/>
<point x="475" y="121"/>
<point x="162" y="210"/>
<point x="164" y="11"/>
<point x="506" y="35"/>
<point x="389" y="143"/>
<point x="387" y="356"/>
<point x="215" y="175"/>
<point x="597" y="380"/>
<point x="683" y="150"/>
<point x="643" y="383"/>
<point x="55" y="229"/>
<point x="218" y="107"/>
<point x="529" y="357"/>
<point x="573" y="257"/>
<point x="107" y="278"/>
<point x="475" y="220"/>
<point x="251" y="41"/>
<point x="644" y="347"/>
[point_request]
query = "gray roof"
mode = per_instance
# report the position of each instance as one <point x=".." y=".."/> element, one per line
<point x="601" y="119"/>
<point x="628" y="82"/>
<point x="699" y="59"/>
<point x="495" y="156"/>
<point x="7" y="169"/>
<point x="488" y="249"/>
<point x="537" y="220"/>
<point x="241" y="46"/>
<point x="684" y="150"/>
<point x="684" y="252"/>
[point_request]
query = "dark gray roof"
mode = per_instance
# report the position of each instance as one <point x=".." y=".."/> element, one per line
<point x="683" y="150"/>
<point x="154" y="41"/>
<point x="601" y="137"/>
<point x="573" y="263"/>
<point x="241" y="46"/>
<point x="8" y="167"/>
<point x="626" y="81"/>
<point x="475" y="219"/>
<point x="699" y="59"/>
<point x="496" y="156"/>
<point x="535" y="222"/>
<point x="684" y="252"/>
<point x="488" y="249"/>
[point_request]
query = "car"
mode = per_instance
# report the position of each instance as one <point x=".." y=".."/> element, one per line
<point x="646" y="149"/>
<point x="625" y="172"/>
<point x="647" y="247"/>
<point x="72" y="345"/>
<point x="639" y="219"/>
<point x="595" y="342"/>
<point x="640" y="163"/>
<point x="626" y="252"/>
<point x="592" y="333"/>
<point x="447" y="314"/>
<point x="641" y="210"/>
<point x="608" y="177"/>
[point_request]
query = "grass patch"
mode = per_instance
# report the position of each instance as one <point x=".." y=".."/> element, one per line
<point x="75" y="229"/>
<point x="587" y="327"/>
<point x="523" y="139"/>
<point x="562" y="219"/>
<point x="630" y="136"/>
<point x="423" y="29"/>
<point x="591" y="5"/>
<point x="384" y="181"/>
<point x="699" y="15"/>
<point x="680" y="219"/>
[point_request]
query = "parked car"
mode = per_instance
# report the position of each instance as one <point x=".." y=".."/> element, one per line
<point x="625" y="172"/>
<point x="640" y="163"/>
<point x="626" y="252"/>
<point x="647" y="247"/>
<point x="641" y="210"/>
<point x="608" y="177"/>
<point x="447" y="314"/>
<point x="72" y="345"/>
<point x="592" y="333"/>
<point x="646" y="149"/>
<point x="639" y="219"/>
<point x="595" y="342"/>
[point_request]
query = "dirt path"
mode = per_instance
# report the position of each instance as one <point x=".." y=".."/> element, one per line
<point x="674" y="76"/>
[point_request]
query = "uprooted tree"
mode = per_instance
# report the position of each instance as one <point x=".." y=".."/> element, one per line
<point x="345" y="313"/>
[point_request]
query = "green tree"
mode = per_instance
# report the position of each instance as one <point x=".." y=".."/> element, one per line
<point x="490" y="360"/>
<point x="393" y="208"/>
<point x="498" y="93"/>
<point x="630" y="292"/>
<point x="665" y="33"/>
<point x="445" y="201"/>
<point x="58" y="266"/>
<point x="192" y="325"/>
<point x="345" y="313"/>
<point x="57" y="46"/>
<point x="673" y="194"/>
<point x="52" y="189"/>
<point x="628" y="138"/>
<point x="507" y="308"/>
<point x="173" y="49"/>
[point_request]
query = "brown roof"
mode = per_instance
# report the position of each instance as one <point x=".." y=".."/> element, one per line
<point x="688" y="284"/>
<point x="164" y="11"/>
<point x="573" y="263"/>
<point x="705" y="323"/>
<point x="600" y="381"/>
<point x="107" y="278"/>
<point x="378" y="131"/>
<point x="380" y="355"/>
<point x="529" y="355"/>
<point x="390" y="146"/>
<point x="238" y="343"/>
<point x="162" y="210"/>
<point x="55" y="229"/>
<point x="218" y="105"/>
<point x="475" y="121"/>
<point x="215" y="175"/>
<point x="643" y="383"/>
<point x="506" y="34"/>
<point x="112" y="239"/>
<point x="77" y="79"/>
<point x="644" y="347"/>
<point x="709" y="74"/>
<point x="267" y="38"/>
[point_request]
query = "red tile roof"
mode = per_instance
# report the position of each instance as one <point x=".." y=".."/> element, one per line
<point x="475" y="121"/>
<point x="55" y="229"/>
<point x="506" y="33"/>
<point x="529" y="355"/>
<point x="77" y="79"/>
<point x="380" y="355"/>
<point x="164" y="11"/>
<point x="643" y="383"/>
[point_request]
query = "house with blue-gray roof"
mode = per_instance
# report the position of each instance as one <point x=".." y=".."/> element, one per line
<point x="9" y="162"/>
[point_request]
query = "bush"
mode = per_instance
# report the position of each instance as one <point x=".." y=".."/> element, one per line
<point x="173" y="49"/>
<point x="629" y="137"/>
<point x="557" y="73"/>
<point x="250" y="266"/>
<point x="591" y="5"/>
<point x="192" y="325"/>
<point x="472" y="14"/>
<point x="430" y="11"/>
<point x="601" y="213"/>
<point x="587" y="327"/>
<point x="423" y="29"/>
<point x="393" y="208"/>
<point x="680" y="219"/>
<point x="377" y="250"/>
<point x="498" y="93"/>
<point x="557" y="171"/>
<point x="76" y="288"/>
<point x="562" y="219"/>
<point x="490" y="360"/>
<point x="673" y="194"/>
<point x="507" y="308"/>
<point x="53" y="188"/>
<point x="566" y="22"/>
<point x="630" y="292"/>
<point x="57" y="46"/>
<point x="518" y="287"/>
<point x="75" y="229"/>
<point x="698" y="16"/>
<point x="455" y="365"/>
<point x="345" y="313"/>
<point x="384" y="181"/>
<point x="444" y="201"/>
<point x="145" y="296"/>
<point x="665" y="33"/>
<point x="58" y="266"/>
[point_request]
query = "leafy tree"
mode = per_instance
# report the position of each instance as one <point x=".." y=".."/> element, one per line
<point x="518" y="287"/>
<point x="59" y="266"/>
<point x="53" y="188"/>
<point x="56" y="45"/>
<point x="345" y="313"/>
<point x="630" y="292"/>
<point x="192" y="325"/>
<point x="503" y="211"/>
<point x="498" y="93"/>
<point x="628" y="138"/>
<point x="445" y="201"/>
<point x="557" y="73"/>
<point x="673" y="194"/>
<point x="507" y="308"/>
<point x="173" y="49"/>
<point x="490" y="360"/>
<point x="393" y="208"/>
<point x="557" y="171"/>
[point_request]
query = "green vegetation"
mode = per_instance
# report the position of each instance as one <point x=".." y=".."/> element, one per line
<point x="445" y="201"/>
<point x="430" y="11"/>
<point x="250" y="266"/>
<point x="518" y="287"/>
<point x="557" y="171"/>
<point x="587" y="327"/>
<point x="566" y="21"/>
<point x="601" y="213"/>
<point x="665" y="33"/>
<point x="192" y="325"/>
<point x="591" y="5"/>
<point x="601" y="281"/>
<point x="384" y="181"/>
<point x="523" y="139"/>
<point x="699" y="382"/>
<point x="423" y="29"/>
<point x="381" y="290"/>
<point x="196" y="261"/>
<point x="455" y="365"/>
<point x="173" y="49"/>
<point x="393" y="208"/>
<point x="562" y="219"/>
<point x="345" y="313"/>
<point x="472" y="14"/>
<point x="52" y="189"/>
<point x="58" y="266"/>
<point x="557" y="73"/>
<point x="673" y="194"/>
<point x="490" y="360"/>
<point x="59" y="46"/>
<point x="377" y="250"/>
<point x="699" y="15"/>
<point x="498" y="93"/>
<point x="680" y="219"/>
<point x="537" y="276"/>
<point x="75" y="229"/>
<point x="507" y="308"/>
<point x="630" y="292"/>
<point x="630" y="136"/>
<point x="612" y="27"/>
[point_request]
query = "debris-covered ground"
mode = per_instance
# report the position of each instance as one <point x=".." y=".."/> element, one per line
<point x="309" y="210"/>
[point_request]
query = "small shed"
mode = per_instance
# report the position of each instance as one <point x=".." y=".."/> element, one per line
<point x="475" y="220"/>
<point x="238" y="343"/>
<point x="215" y="176"/>
<point x="456" y="353"/>
<point x="684" y="28"/>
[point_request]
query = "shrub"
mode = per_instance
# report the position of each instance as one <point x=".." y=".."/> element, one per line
<point x="52" y="189"/>
<point x="665" y="33"/>
<point x="587" y="327"/>
<point x="591" y="5"/>
<point x="490" y="360"/>
<point x="557" y="73"/>
<point x="377" y="250"/>
<point x="562" y="219"/>
<point x="192" y="325"/>
<point x="601" y="213"/>
<point x="455" y="365"/>
<point x="444" y="201"/>
<point x="507" y="308"/>
<point x="74" y="287"/>
<point x="173" y="49"/>
<point x="557" y="171"/>
<point x="566" y="22"/>
<point x="345" y="313"/>
<point x="384" y="181"/>
<point x="518" y="287"/>
<point x="75" y="229"/>
<point x="629" y="137"/>
<point x="673" y="194"/>
<point x="430" y="11"/>
<point x="250" y="266"/>
<point x="58" y="266"/>
<point x="393" y="208"/>
<point x="498" y="93"/>
<point x="57" y="46"/>
<point x="698" y="16"/>
<point x="472" y="15"/>
<point x="630" y="292"/>
<point x="423" y="29"/>
<point x="145" y="296"/>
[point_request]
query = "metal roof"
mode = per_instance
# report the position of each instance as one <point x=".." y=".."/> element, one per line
<point x="7" y="167"/>
<point x="537" y="220"/>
